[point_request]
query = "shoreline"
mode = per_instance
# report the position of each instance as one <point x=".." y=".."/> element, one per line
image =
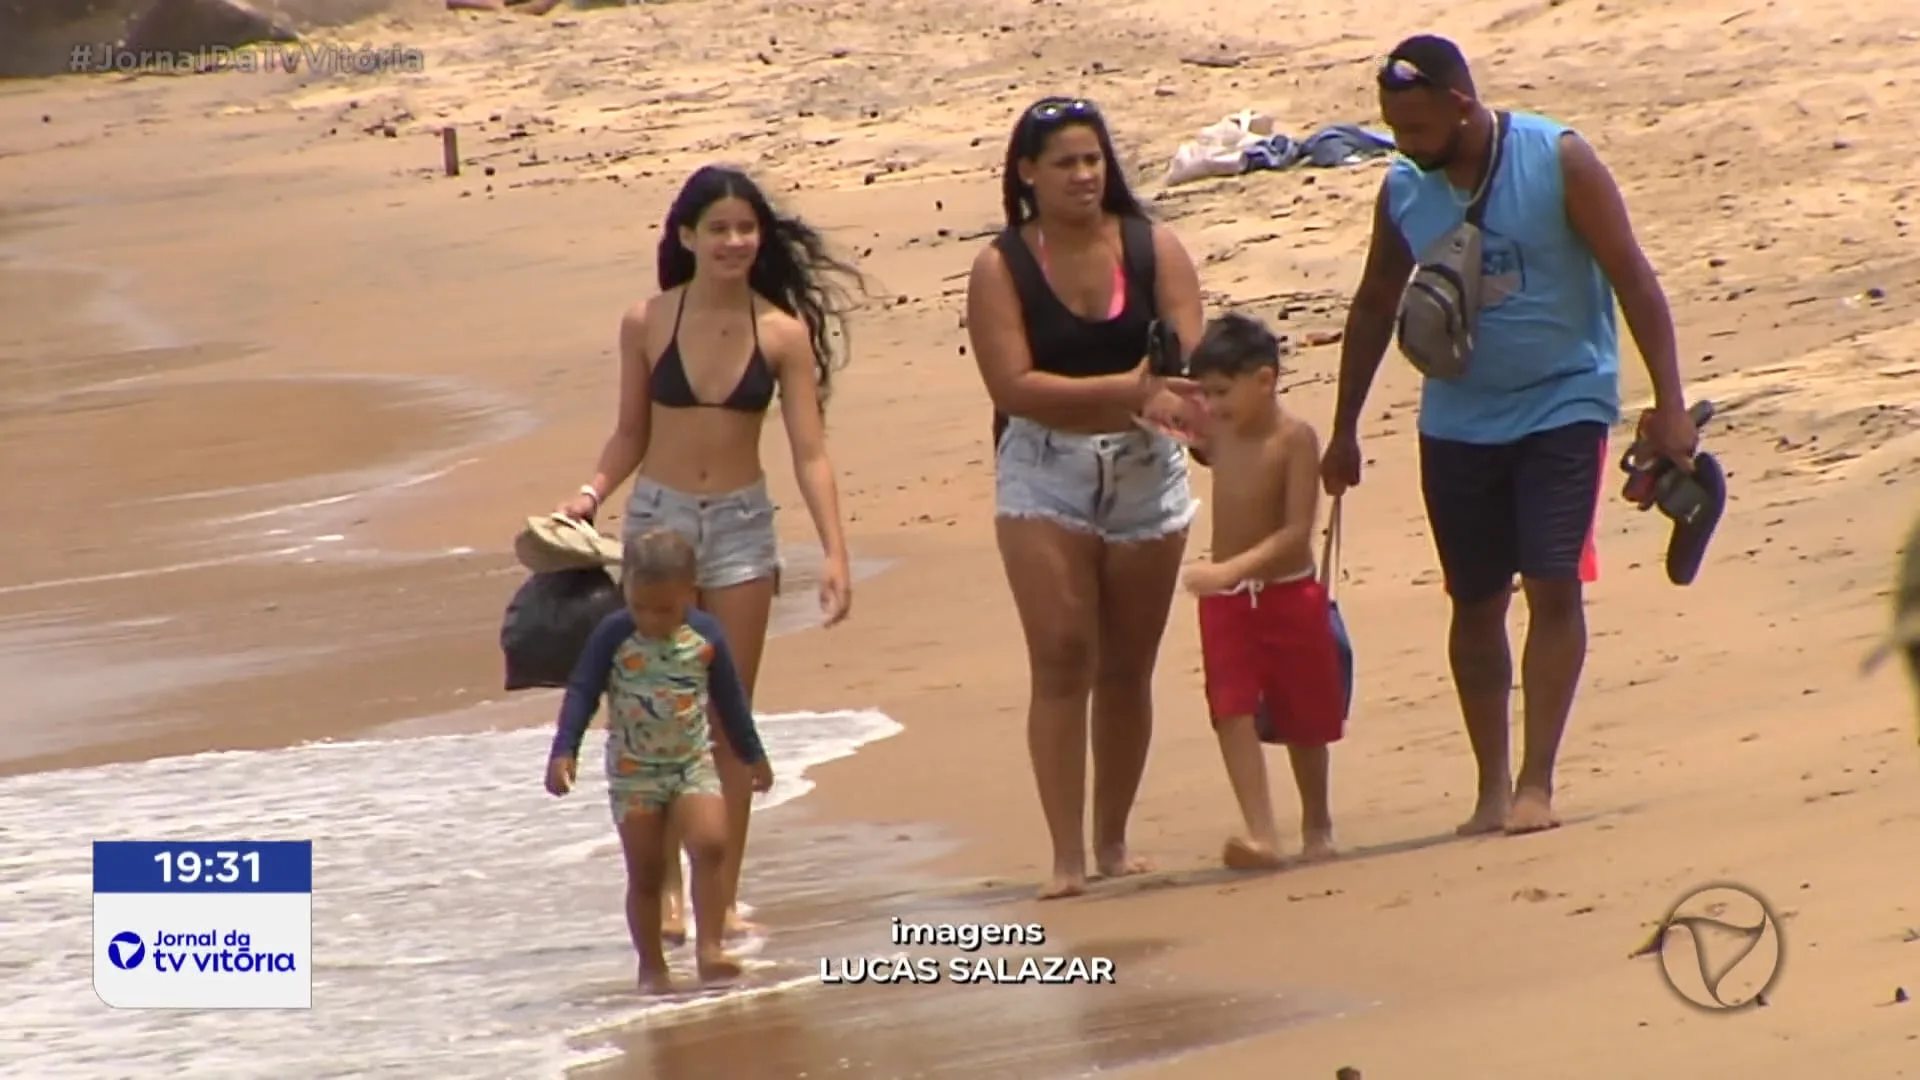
<point x="177" y="663"/>
<point x="393" y="868"/>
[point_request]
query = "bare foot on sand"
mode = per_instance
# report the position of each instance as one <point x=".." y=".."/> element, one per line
<point x="655" y="980"/>
<point x="717" y="967"/>
<point x="1116" y="862"/>
<point x="1243" y="854"/>
<point x="1316" y="845"/>
<point x="1489" y="816"/>
<point x="1062" y="884"/>
<point x="1532" y="812"/>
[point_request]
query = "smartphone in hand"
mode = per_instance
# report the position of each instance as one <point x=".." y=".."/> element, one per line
<point x="1164" y="358"/>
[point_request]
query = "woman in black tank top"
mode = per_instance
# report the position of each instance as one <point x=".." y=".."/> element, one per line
<point x="1091" y="498"/>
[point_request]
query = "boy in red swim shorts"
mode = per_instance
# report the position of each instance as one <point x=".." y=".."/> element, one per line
<point x="1265" y="633"/>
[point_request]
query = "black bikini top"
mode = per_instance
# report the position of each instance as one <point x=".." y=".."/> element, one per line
<point x="670" y="388"/>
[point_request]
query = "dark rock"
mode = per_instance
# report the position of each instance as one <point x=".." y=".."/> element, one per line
<point x="188" y="25"/>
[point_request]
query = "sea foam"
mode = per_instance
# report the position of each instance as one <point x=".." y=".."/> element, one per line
<point x="465" y="923"/>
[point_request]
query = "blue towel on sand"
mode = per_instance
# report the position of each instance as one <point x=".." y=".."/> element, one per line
<point x="1340" y="144"/>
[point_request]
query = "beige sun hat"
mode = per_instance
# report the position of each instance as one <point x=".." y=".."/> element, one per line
<point x="1905" y="634"/>
<point x="557" y="542"/>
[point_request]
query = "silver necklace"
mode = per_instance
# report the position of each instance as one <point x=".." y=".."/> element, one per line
<point x="1486" y="176"/>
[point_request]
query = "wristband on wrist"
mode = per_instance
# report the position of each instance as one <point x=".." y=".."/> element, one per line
<point x="589" y="492"/>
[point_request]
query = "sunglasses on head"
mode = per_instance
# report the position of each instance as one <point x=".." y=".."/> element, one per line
<point x="1055" y="110"/>
<point x="1400" y="74"/>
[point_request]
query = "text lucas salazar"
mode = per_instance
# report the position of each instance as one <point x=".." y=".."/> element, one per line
<point x="902" y="968"/>
<point x="967" y="969"/>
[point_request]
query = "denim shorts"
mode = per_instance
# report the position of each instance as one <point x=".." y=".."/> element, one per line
<point x="731" y="532"/>
<point x="1124" y="488"/>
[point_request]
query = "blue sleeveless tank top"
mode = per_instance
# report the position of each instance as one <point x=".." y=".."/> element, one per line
<point x="1547" y="351"/>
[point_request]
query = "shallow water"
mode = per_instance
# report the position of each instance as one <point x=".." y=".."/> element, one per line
<point x="947" y="1032"/>
<point x="299" y="469"/>
<point x="465" y="923"/>
<point x="111" y="304"/>
<point x="101" y="679"/>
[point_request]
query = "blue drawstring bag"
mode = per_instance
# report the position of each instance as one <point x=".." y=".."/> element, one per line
<point x="1329" y="577"/>
<point x="1342" y="644"/>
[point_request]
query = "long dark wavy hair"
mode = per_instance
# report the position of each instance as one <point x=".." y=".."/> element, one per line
<point x="1036" y="125"/>
<point x="793" y="268"/>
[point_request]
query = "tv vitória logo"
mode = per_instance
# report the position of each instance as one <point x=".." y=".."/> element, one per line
<point x="126" y="950"/>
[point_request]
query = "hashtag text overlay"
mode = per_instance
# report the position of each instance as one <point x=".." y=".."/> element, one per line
<point x="303" y="58"/>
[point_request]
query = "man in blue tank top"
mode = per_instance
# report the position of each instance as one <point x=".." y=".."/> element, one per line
<point x="1512" y="450"/>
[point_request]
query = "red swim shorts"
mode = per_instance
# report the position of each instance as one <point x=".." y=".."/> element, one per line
<point x="1273" y="644"/>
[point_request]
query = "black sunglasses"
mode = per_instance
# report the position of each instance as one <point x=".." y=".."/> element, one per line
<point x="1397" y="73"/>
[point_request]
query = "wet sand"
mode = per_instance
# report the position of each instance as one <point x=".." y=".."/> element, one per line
<point x="250" y="237"/>
<point x="824" y="913"/>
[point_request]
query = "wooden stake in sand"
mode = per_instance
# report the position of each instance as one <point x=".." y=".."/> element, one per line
<point x="450" y="150"/>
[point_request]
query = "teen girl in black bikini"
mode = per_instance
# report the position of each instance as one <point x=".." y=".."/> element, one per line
<point x="744" y="305"/>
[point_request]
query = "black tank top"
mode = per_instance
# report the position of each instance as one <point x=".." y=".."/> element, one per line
<point x="1062" y="342"/>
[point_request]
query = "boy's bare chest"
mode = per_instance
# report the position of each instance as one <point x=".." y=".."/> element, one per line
<point x="1249" y="492"/>
<point x="1253" y="466"/>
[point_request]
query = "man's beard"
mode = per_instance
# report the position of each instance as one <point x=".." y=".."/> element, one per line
<point x="1435" y="162"/>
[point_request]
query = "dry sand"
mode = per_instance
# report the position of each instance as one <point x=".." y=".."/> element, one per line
<point x="280" y="232"/>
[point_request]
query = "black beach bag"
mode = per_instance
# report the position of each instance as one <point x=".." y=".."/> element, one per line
<point x="548" y="622"/>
